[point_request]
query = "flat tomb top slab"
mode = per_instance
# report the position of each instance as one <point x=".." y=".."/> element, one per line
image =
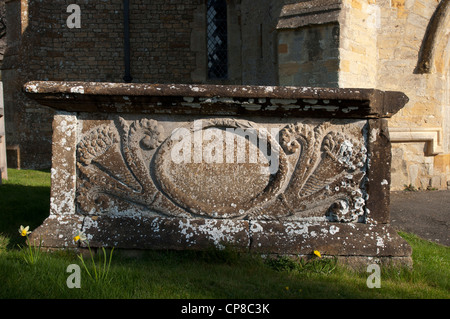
<point x="216" y="99"/>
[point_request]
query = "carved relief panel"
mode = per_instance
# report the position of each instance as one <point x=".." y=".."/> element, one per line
<point x="223" y="168"/>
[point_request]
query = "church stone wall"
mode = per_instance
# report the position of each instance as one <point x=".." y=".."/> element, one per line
<point x="43" y="47"/>
<point x="380" y="44"/>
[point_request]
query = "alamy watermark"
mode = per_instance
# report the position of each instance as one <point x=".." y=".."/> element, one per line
<point x="374" y="279"/>
<point x="74" y="279"/>
<point x="214" y="145"/>
<point x="74" y="19"/>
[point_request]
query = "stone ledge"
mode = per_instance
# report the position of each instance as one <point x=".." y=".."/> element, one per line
<point x="262" y="237"/>
<point x="307" y="13"/>
<point x="431" y="136"/>
<point x="186" y="99"/>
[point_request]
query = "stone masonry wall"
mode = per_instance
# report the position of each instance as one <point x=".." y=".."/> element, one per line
<point x="381" y="41"/>
<point x="403" y="25"/>
<point x="43" y="47"/>
<point x="24" y="119"/>
<point x="309" y="56"/>
<point x="160" y="36"/>
<point x="360" y="22"/>
<point x="378" y="43"/>
<point x="168" y="45"/>
<point x="167" y="41"/>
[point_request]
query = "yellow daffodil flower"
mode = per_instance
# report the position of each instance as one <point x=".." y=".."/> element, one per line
<point x="24" y="231"/>
<point x="79" y="237"/>
<point x="317" y="253"/>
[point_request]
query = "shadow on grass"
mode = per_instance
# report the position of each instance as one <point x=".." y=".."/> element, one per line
<point x="22" y="205"/>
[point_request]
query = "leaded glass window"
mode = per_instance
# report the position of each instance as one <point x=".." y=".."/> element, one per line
<point x="216" y="17"/>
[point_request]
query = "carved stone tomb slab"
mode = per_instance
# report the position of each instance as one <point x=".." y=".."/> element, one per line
<point x="274" y="170"/>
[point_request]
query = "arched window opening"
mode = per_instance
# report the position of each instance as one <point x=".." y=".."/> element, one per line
<point x="216" y="17"/>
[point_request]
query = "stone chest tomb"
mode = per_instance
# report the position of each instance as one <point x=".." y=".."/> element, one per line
<point x="273" y="170"/>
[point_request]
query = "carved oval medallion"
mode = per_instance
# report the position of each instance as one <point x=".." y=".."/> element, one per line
<point x="220" y="168"/>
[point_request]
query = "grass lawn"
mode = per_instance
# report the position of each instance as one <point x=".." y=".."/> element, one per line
<point x="24" y="200"/>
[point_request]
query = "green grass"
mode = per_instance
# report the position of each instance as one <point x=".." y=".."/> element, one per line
<point x="24" y="200"/>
